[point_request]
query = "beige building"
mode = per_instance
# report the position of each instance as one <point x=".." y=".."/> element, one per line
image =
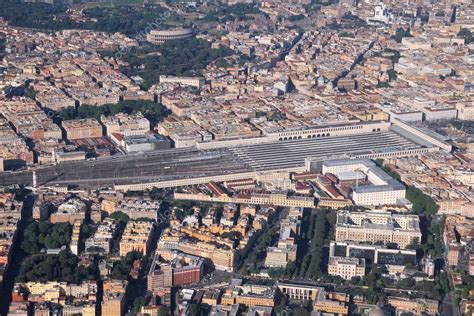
<point x="126" y="125"/>
<point x="70" y="211"/>
<point x="377" y="226"/>
<point x="197" y="82"/>
<point x="416" y="306"/>
<point x="136" y="237"/>
<point x="74" y="246"/>
<point x="137" y="208"/>
<point x="221" y="256"/>
<point x="279" y="257"/>
<point x="278" y="199"/>
<point x="114" y="298"/>
<point x="286" y="249"/>
<point x="82" y="128"/>
<point x="465" y="111"/>
<point x="81" y="298"/>
<point x="346" y="268"/>
<point x="250" y="295"/>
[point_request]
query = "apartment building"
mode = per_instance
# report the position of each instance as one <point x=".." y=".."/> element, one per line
<point x="137" y="208"/>
<point x="417" y="306"/>
<point x="182" y="269"/>
<point x="72" y="298"/>
<point x="114" y="299"/>
<point x="82" y="128"/>
<point x="458" y="232"/>
<point x="160" y="276"/>
<point x="101" y="241"/>
<point x="197" y="82"/>
<point x="75" y="245"/>
<point x="286" y="249"/>
<point x="70" y="211"/>
<point x="8" y="234"/>
<point x="249" y="295"/>
<point x="136" y="237"/>
<point x="221" y="255"/>
<point x="276" y="198"/>
<point x="126" y="124"/>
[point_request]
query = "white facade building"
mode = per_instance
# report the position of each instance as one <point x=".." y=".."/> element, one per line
<point x="382" y="190"/>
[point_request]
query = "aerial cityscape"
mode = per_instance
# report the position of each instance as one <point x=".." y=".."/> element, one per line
<point x="236" y="157"/>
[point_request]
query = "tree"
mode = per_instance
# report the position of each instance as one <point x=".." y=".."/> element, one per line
<point x="467" y="34"/>
<point x="138" y="303"/>
<point x="176" y="58"/>
<point x="346" y="34"/>
<point x="300" y="311"/>
<point x="290" y="268"/>
<point x="297" y="17"/>
<point x="280" y="309"/>
<point x="154" y="112"/>
<point x="63" y="267"/>
<point x="392" y="74"/>
<point x="120" y="216"/>
<point x="121" y="268"/>
<point x="400" y="33"/>
<point x="2" y="46"/>
<point x="163" y="311"/>
<point x="317" y="243"/>
<point x="355" y="280"/>
<point x="239" y="11"/>
<point x="45" y="235"/>
<point x="422" y="203"/>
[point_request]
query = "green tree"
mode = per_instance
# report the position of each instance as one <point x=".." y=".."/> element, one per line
<point x="45" y="235"/>
<point x="138" y="303"/>
<point x="400" y="33"/>
<point x="120" y="216"/>
<point x="163" y="311"/>
<point x="63" y="267"/>
<point x="300" y="311"/>
<point x="121" y="268"/>
<point x="467" y="34"/>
